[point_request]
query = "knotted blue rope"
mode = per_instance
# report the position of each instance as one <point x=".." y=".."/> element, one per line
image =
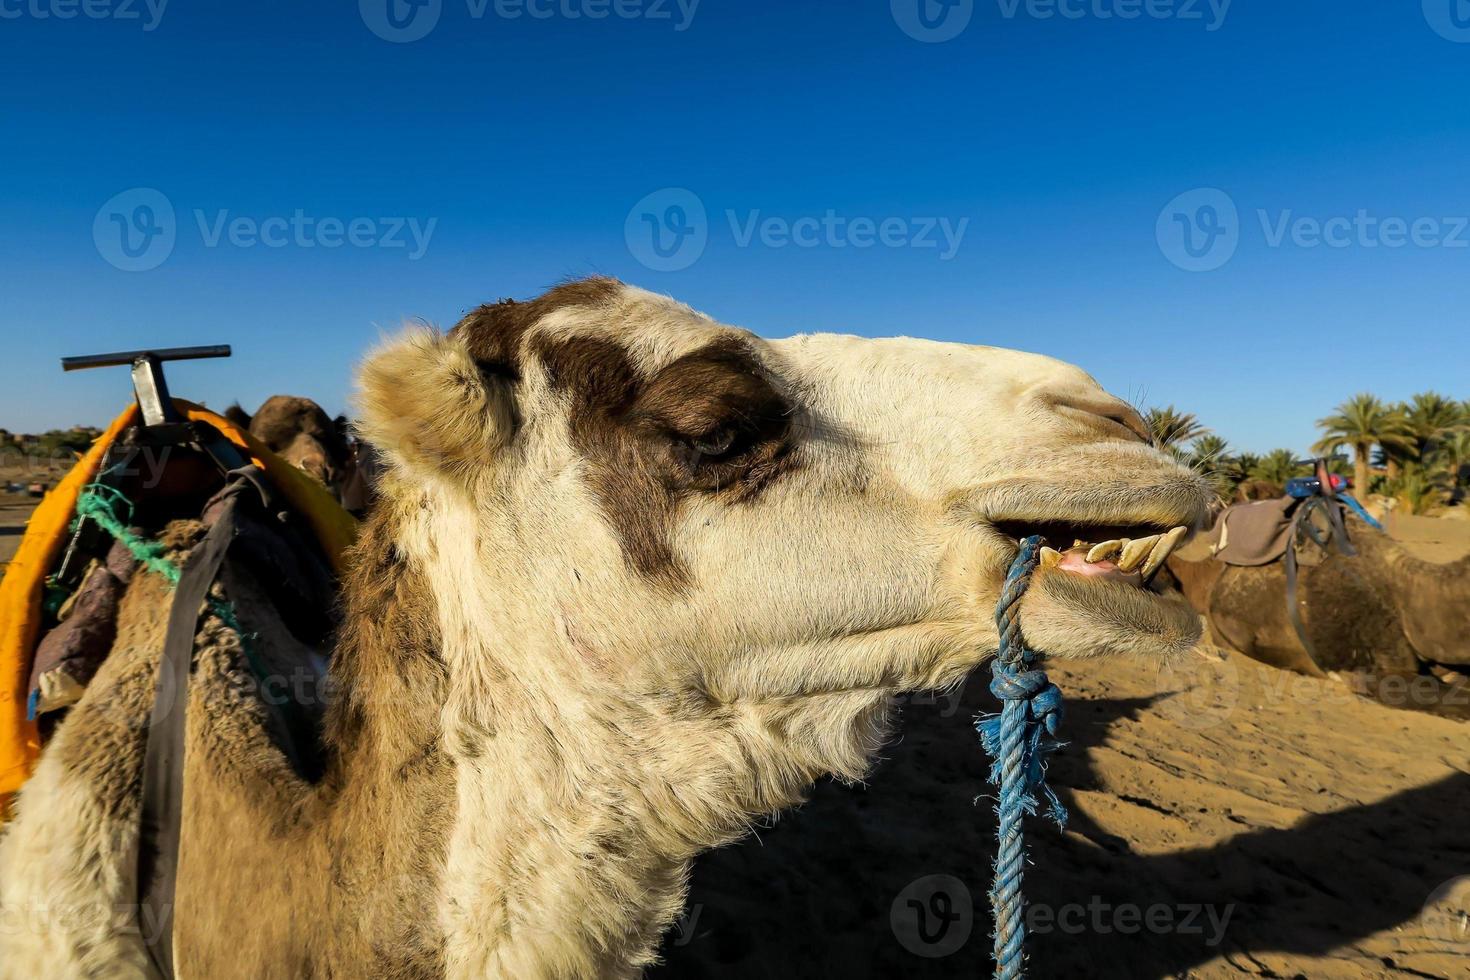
<point x="1018" y="739"/>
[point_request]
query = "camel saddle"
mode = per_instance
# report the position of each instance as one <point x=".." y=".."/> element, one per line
<point x="1257" y="532"/>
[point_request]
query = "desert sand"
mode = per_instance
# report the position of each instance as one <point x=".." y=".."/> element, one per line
<point x="1316" y="825"/>
<point x="1271" y="825"/>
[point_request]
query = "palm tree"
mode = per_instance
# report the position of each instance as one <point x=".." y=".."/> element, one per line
<point x="1277" y="466"/>
<point x="1421" y="488"/>
<point x="1454" y="451"/>
<point x="1208" y="451"/>
<point x="1430" y="417"/>
<point x="1360" y="423"/>
<point x="1172" y="427"/>
<point x="1208" y="457"/>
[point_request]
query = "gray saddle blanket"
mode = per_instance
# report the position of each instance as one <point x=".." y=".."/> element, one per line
<point x="1256" y="533"/>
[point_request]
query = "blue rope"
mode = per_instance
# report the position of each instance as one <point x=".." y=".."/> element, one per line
<point x="1018" y="739"/>
<point x="1357" y="508"/>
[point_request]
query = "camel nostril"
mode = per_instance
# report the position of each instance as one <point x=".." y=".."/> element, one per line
<point x="1112" y="417"/>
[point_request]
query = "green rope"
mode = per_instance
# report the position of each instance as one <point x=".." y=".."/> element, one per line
<point x="102" y="503"/>
<point x="113" y="512"/>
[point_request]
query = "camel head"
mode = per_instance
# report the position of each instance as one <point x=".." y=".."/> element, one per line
<point x="616" y="500"/>
<point x="301" y="433"/>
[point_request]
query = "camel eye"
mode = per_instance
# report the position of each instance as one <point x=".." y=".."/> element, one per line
<point x="717" y="443"/>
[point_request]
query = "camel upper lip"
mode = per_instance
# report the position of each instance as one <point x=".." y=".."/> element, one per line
<point x="1094" y="513"/>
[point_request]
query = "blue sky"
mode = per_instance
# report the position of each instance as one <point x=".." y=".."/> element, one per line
<point x="827" y="147"/>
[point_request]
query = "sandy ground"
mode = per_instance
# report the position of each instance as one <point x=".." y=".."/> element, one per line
<point x="15" y="510"/>
<point x="1431" y="538"/>
<point x="1227" y="820"/>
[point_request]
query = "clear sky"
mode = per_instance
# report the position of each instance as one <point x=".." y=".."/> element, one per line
<point x="296" y="177"/>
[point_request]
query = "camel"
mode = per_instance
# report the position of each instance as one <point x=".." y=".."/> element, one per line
<point x="299" y="431"/>
<point x="1381" y="614"/>
<point x="634" y="580"/>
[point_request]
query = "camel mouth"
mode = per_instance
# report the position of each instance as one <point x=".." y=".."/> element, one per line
<point x="1096" y="590"/>
<point x="1129" y="554"/>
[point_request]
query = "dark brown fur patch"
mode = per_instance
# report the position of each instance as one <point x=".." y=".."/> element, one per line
<point x="493" y="333"/>
<point x="708" y="422"/>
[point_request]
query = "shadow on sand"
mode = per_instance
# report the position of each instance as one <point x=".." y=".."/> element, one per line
<point x="814" y="895"/>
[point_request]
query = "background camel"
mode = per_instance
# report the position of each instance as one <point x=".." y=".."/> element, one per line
<point x="1383" y="613"/>
<point x="299" y="431"/>
<point x="635" y="579"/>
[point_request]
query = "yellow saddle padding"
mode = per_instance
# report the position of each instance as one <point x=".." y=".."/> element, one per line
<point x="46" y="536"/>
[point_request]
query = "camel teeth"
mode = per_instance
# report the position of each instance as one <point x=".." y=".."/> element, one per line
<point x="1100" y="551"/>
<point x="1162" y="550"/>
<point x="1050" y="557"/>
<point x="1135" y="552"/>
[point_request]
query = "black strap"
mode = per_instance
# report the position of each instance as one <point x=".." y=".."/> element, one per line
<point x="1301" y="525"/>
<point x="163" y="760"/>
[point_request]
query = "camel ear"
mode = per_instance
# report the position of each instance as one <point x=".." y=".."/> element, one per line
<point x="238" y="416"/>
<point x="424" y="401"/>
